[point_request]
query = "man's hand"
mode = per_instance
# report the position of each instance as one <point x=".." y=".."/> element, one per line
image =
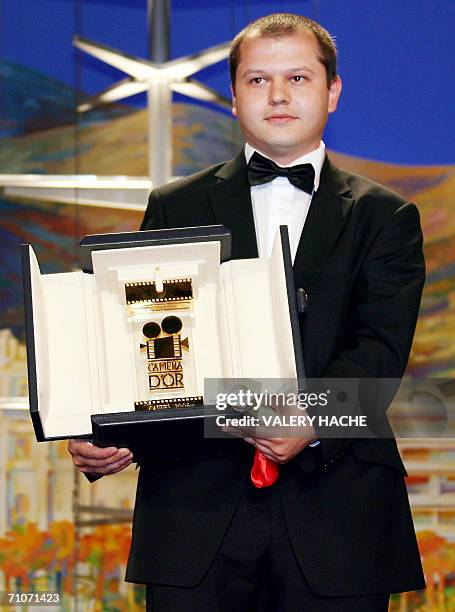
<point x="276" y="448"/>
<point x="91" y="459"/>
<point x="280" y="450"/>
<point x="267" y="438"/>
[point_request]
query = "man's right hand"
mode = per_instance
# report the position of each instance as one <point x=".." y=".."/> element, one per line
<point x="91" y="459"/>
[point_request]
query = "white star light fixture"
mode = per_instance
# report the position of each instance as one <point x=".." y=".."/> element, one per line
<point x="159" y="80"/>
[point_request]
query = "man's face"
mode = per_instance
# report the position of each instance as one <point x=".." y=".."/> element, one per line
<point x="281" y="97"/>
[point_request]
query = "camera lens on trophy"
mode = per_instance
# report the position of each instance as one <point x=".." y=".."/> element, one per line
<point x="171" y="325"/>
<point x="151" y="330"/>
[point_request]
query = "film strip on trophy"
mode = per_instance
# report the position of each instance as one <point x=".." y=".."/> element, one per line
<point x="161" y="314"/>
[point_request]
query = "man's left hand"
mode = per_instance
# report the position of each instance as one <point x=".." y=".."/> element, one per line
<point x="280" y="450"/>
<point x="277" y="448"/>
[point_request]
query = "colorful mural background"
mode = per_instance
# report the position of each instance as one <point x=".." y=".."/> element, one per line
<point x="58" y="532"/>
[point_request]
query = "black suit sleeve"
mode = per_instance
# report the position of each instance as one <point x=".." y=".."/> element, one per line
<point x="154" y="217"/>
<point x="383" y="314"/>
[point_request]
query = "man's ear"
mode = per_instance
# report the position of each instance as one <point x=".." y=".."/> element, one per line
<point x="334" y="93"/>
<point x="234" y="109"/>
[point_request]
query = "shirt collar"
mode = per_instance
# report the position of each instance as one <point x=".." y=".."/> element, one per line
<point x="315" y="158"/>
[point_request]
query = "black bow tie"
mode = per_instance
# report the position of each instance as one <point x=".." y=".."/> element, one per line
<point x="263" y="170"/>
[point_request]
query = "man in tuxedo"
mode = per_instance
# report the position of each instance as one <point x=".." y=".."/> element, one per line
<point x="335" y="531"/>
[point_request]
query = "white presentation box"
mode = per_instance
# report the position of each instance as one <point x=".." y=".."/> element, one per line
<point x="119" y="351"/>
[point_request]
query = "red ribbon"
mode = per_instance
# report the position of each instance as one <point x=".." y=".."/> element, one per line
<point x="264" y="472"/>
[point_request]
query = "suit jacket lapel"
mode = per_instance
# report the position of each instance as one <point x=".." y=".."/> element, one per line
<point x="231" y="202"/>
<point x="328" y="212"/>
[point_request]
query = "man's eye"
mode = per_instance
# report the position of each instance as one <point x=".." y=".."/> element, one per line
<point x="257" y="80"/>
<point x="298" y="78"/>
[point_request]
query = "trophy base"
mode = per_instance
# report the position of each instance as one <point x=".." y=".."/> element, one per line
<point x="163" y="404"/>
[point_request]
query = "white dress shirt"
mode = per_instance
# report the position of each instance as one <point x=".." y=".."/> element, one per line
<point x="280" y="203"/>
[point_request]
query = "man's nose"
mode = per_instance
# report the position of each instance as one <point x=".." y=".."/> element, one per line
<point x="278" y="92"/>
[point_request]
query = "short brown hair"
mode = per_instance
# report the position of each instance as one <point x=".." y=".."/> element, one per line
<point x="285" y="24"/>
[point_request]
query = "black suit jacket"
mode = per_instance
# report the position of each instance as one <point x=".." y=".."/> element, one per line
<point x="345" y="502"/>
